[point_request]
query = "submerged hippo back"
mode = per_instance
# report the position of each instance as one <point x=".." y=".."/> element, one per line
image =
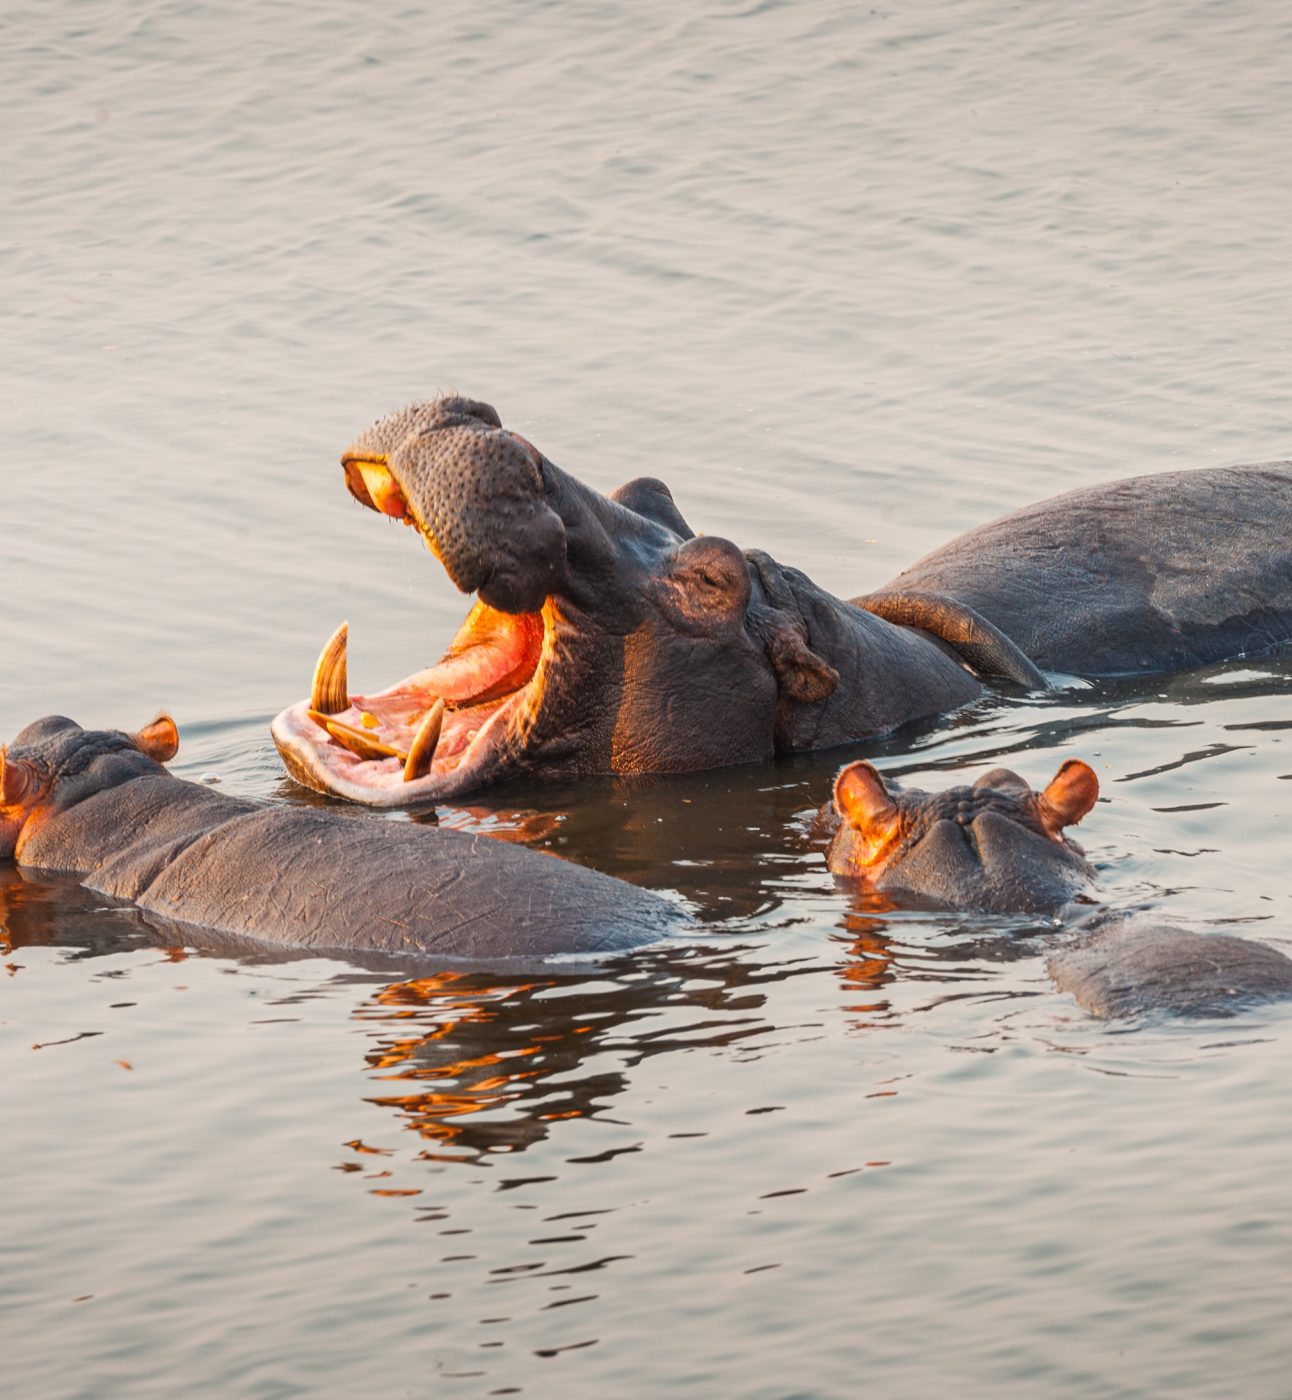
<point x="317" y="879"/>
<point x="1135" y="966"/>
<point x="99" y="804"/>
<point x="1151" y="574"/>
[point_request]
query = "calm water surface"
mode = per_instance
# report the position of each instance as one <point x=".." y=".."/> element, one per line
<point x="851" y="280"/>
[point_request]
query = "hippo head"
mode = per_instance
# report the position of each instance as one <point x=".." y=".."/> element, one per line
<point x="605" y="638"/>
<point x="996" y="846"/>
<point x="54" y="764"/>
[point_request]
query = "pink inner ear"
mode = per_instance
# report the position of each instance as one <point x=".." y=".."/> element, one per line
<point x="15" y="778"/>
<point x="861" y="798"/>
<point x="159" y="740"/>
<point x="1071" y="794"/>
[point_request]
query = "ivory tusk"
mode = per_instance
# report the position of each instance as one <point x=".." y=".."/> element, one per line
<point x="421" y="753"/>
<point x="330" y="693"/>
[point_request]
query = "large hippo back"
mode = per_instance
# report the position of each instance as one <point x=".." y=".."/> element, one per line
<point x="315" y="879"/>
<point x="306" y="877"/>
<point x="1152" y="574"/>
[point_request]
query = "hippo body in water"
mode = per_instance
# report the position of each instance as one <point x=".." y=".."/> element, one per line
<point x="1144" y="576"/>
<point x="608" y="638"/>
<point x="100" y="805"/>
<point x="1133" y="965"/>
<point x="999" y="847"/>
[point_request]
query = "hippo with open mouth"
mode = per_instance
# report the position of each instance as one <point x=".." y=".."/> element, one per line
<point x="99" y="804"/>
<point x="608" y="638"/>
<point x="998" y="846"/>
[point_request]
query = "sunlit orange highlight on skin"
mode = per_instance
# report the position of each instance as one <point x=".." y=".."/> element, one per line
<point x="370" y="479"/>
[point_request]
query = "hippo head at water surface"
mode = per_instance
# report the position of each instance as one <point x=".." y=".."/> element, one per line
<point x="607" y="637"/>
<point x="54" y="764"/>
<point x="995" y="846"/>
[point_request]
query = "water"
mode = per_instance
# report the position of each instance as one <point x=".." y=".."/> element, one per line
<point x="851" y="280"/>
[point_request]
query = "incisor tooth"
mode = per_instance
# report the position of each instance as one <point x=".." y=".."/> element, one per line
<point x="422" y="751"/>
<point x="330" y="692"/>
<point x="359" y="743"/>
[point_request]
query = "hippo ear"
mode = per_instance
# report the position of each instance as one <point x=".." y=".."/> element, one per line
<point x="159" y="740"/>
<point x="15" y="779"/>
<point x="1070" y="795"/>
<point x="800" y="672"/>
<point x="647" y="496"/>
<point x="863" y="801"/>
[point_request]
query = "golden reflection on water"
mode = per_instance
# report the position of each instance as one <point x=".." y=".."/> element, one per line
<point x="468" y="1081"/>
<point x="868" y="963"/>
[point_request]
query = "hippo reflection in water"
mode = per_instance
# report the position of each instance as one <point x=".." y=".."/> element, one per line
<point x="100" y="805"/>
<point x="997" y="846"/>
<point x="608" y="638"/>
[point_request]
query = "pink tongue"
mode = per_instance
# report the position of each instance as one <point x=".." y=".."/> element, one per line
<point x="472" y="673"/>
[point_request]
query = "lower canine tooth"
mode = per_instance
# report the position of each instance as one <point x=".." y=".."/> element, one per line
<point x="422" y="752"/>
<point x="330" y="692"/>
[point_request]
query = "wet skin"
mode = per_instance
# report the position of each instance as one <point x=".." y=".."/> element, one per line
<point x="1137" y="965"/>
<point x="999" y="847"/>
<point x="608" y="638"/>
<point x="1144" y="576"/>
<point x="995" y="846"/>
<point x="100" y="805"/>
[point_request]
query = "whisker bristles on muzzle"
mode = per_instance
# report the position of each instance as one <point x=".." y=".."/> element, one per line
<point x="330" y="692"/>
<point x="422" y="753"/>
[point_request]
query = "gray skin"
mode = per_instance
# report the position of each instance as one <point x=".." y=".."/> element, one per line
<point x="664" y="652"/>
<point x="96" y="804"/>
<point x="1147" y="575"/>
<point x="661" y="651"/>
<point x="1137" y="965"/>
<point x="997" y="846"/>
<point x="994" y="846"/>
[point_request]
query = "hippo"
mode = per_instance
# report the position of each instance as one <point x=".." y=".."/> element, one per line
<point x="607" y="637"/>
<point x="994" y="846"/>
<point x="1135" y="964"/>
<point x="100" y="804"/>
<point x="997" y="846"/>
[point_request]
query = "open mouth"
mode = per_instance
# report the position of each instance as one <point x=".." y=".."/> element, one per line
<point x="435" y="734"/>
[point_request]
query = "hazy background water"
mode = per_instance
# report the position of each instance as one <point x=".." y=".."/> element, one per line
<point x="851" y="280"/>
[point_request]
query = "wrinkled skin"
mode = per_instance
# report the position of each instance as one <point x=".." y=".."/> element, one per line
<point x="608" y="638"/>
<point x="1143" y="576"/>
<point x="995" y="846"/>
<point x="99" y="804"/>
<point x="998" y="846"/>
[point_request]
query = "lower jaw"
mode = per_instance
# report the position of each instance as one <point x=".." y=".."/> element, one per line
<point x="316" y="761"/>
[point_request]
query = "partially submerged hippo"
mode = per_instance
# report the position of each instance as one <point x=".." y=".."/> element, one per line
<point x="1138" y="964"/>
<point x="999" y="847"/>
<point x="609" y="638"/>
<point x="995" y="845"/>
<point x="100" y="805"/>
